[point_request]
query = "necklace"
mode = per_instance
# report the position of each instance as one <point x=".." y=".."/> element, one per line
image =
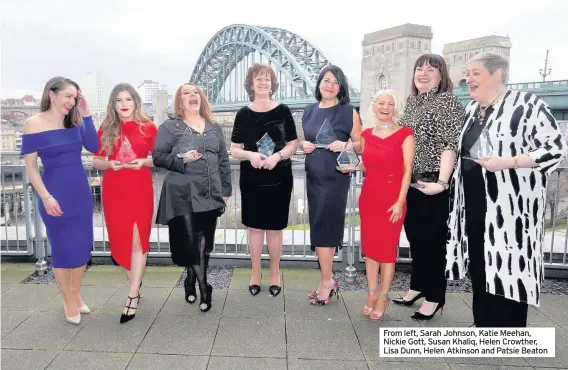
<point x="265" y="107"/>
<point x="482" y="110"/>
<point x="384" y="127"/>
<point x="194" y="125"/>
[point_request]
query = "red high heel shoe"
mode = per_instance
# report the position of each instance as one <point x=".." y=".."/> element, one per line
<point x="334" y="291"/>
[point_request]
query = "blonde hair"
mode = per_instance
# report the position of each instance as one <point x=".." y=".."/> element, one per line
<point x="398" y="104"/>
<point x="205" y="110"/>
<point x="111" y="128"/>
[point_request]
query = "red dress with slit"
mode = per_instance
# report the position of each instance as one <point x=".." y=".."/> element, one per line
<point x="128" y="194"/>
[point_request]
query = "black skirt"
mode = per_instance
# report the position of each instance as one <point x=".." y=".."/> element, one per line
<point x="186" y="232"/>
<point x="266" y="206"/>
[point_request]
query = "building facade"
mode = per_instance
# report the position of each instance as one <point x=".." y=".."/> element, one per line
<point x="458" y="54"/>
<point x="388" y="61"/>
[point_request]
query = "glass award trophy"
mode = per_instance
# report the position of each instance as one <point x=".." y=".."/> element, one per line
<point x="482" y="147"/>
<point x="125" y="154"/>
<point x="325" y="135"/>
<point x="347" y="160"/>
<point x="188" y="146"/>
<point x="266" y="145"/>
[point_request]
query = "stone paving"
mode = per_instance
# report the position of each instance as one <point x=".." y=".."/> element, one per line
<point x="240" y="331"/>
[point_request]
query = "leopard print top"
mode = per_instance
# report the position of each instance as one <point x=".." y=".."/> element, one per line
<point x="437" y="120"/>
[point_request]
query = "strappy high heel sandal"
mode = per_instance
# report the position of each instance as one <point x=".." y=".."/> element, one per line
<point x="374" y="315"/>
<point x="334" y="291"/>
<point x="125" y="317"/>
<point x="367" y="310"/>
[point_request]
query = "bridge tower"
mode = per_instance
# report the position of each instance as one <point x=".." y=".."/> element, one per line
<point x="457" y="54"/>
<point x="388" y="59"/>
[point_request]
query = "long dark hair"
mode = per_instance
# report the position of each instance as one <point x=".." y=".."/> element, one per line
<point x="436" y="61"/>
<point x="343" y="94"/>
<point x="73" y="118"/>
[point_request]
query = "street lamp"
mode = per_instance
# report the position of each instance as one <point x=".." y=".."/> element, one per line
<point x="542" y="72"/>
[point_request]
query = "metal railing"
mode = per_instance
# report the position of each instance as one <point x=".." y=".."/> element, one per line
<point x="22" y="231"/>
<point x="559" y="85"/>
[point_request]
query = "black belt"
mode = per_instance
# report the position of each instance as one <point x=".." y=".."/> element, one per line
<point x="425" y="176"/>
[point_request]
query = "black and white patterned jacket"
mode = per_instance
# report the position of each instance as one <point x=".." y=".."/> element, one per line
<point x="514" y="222"/>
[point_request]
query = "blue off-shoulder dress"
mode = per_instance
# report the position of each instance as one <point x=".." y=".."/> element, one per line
<point x="71" y="234"/>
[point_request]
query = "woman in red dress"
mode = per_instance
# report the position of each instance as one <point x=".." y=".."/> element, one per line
<point x="388" y="155"/>
<point x="126" y="138"/>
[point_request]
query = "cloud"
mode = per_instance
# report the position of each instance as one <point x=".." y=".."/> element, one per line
<point x="130" y="41"/>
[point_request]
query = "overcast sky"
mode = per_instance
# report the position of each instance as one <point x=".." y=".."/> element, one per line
<point x="133" y="40"/>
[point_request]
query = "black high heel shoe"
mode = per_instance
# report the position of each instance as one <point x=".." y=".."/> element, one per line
<point x="255" y="289"/>
<point x="404" y="302"/>
<point x="189" y="286"/>
<point x="420" y="316"/>
<point x="206" y="299"/>
<point x="275" y="290"/>
<point x="125" y="317"/>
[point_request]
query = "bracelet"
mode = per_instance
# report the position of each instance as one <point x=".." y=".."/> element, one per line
<point x="516" y="162"/>
<point x="281" y="156"/>
<point x="444" y="184"/>
<point x="47" y="198"/>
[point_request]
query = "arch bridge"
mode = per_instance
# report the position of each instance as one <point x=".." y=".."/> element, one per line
<point x="222" y="66"/>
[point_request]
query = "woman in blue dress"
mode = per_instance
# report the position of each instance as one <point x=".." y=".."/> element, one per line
<point x="327" y="187"/>
<point x="57" y="136"/>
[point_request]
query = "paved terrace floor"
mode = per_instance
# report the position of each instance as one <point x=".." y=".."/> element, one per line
<point x="240" y="332"/>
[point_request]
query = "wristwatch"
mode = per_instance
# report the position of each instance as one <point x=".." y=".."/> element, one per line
<point x="444" y="184"/>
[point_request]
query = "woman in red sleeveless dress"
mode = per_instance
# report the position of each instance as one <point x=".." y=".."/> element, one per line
<point x="388" y="154"/>
<point x="126" y="138"/>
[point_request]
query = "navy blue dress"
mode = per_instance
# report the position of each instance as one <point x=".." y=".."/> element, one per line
<point x="71" y="234"/>
<point x="327" y="187"/>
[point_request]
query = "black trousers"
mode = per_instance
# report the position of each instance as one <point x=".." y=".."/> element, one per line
<point x="426" y="230"/>
<point x="489" y="310"/>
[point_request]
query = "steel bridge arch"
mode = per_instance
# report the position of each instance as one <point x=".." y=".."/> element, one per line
<point x="299" y="60"/>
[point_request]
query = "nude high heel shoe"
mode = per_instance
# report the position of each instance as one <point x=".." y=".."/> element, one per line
<point x="76" y="320"/>
<point x="84" y="308"/>
<point x="374" y="315"/>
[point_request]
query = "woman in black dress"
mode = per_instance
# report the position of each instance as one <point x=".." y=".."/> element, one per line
<point x="327" y="187"/>
<point x="266" y="179"/>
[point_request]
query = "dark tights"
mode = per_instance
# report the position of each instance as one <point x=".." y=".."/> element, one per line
<point x="199" y="272"/>
<point x="192" y="237"/>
